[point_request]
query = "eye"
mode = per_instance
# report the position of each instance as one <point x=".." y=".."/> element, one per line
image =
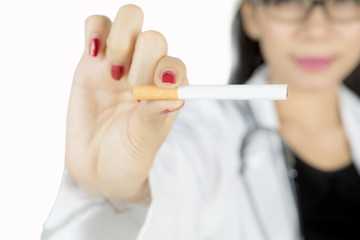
<point x="346" y="2"/>
<point x="289" y="3"/>
<point x="276" y="2"/>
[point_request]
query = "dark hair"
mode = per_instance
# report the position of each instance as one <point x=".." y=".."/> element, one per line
<point x="247" y="57"/>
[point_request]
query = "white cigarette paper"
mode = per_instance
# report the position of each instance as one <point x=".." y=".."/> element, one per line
<point x="236" y="92"/>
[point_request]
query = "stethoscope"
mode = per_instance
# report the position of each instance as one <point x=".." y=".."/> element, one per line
<point x="255" y="129"/>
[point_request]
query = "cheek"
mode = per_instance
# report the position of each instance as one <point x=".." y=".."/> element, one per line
<point x="349" y="49"/>
<point x="274" y="40"/>
<point x="276" y="44"/>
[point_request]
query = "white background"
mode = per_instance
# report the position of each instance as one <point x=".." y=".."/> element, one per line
<point x="40" y="45"/>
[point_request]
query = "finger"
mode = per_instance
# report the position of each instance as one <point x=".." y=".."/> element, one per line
<point x="156" y="110"/>
<point x="121" y="40"/>
<point x="150" y="48"/>
<point x="170" y="72"/>
<point x="153" y="118"/>
<point x="97" y="28"/>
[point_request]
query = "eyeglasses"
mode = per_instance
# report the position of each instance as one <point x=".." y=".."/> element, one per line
<point x="299" y="10"/>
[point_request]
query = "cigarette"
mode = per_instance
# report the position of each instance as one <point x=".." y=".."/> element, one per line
<point x="228" y="92"/>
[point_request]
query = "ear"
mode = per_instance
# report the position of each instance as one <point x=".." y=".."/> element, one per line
<point x="247" y="12"/>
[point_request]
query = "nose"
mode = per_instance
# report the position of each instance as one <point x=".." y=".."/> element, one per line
<point x="316" y="23"/>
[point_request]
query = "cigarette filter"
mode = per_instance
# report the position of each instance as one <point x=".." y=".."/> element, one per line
<point x="240" y="92"/>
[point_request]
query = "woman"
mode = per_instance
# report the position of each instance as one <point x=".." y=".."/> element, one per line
<point x="226" y="170"/>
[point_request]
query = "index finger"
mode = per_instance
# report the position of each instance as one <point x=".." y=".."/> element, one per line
<point x="122" y="37"/>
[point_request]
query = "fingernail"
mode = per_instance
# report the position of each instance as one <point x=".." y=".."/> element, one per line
<point x="168" y="77"/>
<point x="94" y="47"/>
<point x="173" y="110"/>
<point x="116" y="71"/>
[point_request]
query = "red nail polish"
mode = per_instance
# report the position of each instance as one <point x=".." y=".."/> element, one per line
<point x="168" y="77"/>
<point x="116" y="71"/>
<point x="94" y="47"/>
<point x="173" y="110"/>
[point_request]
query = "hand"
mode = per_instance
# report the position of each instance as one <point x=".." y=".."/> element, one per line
<point x="111" y="138"/>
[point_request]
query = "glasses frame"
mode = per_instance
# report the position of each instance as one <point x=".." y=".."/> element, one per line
<point x="312" y="5"/>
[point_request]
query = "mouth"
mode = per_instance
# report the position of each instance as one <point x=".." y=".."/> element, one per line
<point x="314" y="64"/>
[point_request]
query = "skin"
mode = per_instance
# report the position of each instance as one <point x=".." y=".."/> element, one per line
<point x="310" y="119"/>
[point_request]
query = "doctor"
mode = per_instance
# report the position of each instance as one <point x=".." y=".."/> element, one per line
<point x="217" y="169"/>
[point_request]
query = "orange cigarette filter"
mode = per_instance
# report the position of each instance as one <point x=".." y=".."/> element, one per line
<point x="155" y="92"/>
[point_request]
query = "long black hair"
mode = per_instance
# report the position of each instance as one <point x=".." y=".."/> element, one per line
<point x="247" y="57"/>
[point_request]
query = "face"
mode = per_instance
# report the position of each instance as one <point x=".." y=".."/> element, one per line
<point x="313" y="54"/>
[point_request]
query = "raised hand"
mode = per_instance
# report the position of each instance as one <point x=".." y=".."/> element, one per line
<point x="111" y="138"/>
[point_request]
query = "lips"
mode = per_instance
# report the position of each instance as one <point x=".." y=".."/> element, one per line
<point x="314" y="63"/>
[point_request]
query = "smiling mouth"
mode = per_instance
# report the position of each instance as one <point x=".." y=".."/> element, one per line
<point x="314" y="64"/>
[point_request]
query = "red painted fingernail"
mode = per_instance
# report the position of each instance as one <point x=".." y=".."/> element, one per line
<point x="168" y="77"/>
<point x="116" y="71"/>
<point x="173" y="110"/>
<point x="94" y="47"/>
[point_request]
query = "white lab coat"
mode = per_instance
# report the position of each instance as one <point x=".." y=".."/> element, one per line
<point x="196" y="186"/>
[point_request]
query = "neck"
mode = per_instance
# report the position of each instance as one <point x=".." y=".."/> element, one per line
<point x="310" y="110"/>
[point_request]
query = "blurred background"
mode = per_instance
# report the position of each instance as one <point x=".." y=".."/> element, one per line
<point x="40" y="45"/>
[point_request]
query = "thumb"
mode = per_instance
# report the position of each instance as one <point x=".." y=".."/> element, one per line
<point x="170" y="73"/>
<point x="155" y="118"/>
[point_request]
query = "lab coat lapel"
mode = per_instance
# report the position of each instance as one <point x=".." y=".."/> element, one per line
<point x="265" y="178"/>
<point x="350" y="115"/>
